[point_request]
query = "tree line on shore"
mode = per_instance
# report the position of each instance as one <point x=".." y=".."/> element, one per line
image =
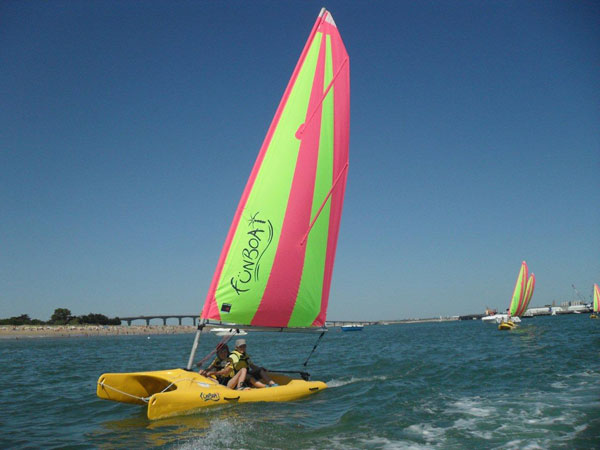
<point x="63" y="316"/>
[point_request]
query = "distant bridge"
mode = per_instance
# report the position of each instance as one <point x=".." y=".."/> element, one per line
<point x="194" y="317"/>
<point x="164" y="318"/>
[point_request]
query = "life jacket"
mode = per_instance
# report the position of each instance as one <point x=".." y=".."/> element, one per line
<point x="220" y="364"/>
<point x="239" y="360"/>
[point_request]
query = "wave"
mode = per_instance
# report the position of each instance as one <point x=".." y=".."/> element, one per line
<point x="340" y="382"/>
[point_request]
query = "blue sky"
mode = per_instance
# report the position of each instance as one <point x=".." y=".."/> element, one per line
<point x="128" y="130"/>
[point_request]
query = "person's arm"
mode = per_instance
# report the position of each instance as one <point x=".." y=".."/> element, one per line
<point x="226" y="370"/>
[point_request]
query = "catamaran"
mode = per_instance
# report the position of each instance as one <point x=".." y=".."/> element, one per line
<point x="596" y="304"/>
<point x="275" y="269"/>
<point x="522" y="294"/>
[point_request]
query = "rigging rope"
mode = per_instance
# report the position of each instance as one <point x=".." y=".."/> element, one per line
<point x="224" y="341"/>
<point x="314" y="348"/>
<point x="144" y="399"/>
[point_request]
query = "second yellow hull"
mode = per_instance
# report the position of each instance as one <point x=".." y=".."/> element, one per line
<point x="506" y="326"/>
<point x="174" y="392"/>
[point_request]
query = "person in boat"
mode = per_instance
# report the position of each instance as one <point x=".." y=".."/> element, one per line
<point x="222" y="369"/>
<point x="242" y="364"/>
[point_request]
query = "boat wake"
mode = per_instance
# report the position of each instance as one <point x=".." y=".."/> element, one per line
<point x="337" y="383"/>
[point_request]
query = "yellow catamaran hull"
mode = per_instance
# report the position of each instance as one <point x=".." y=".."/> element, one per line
<point x="506" y="326"/>
<point x="175" y="392"/>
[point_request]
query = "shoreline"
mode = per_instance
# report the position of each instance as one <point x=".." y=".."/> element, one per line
<point x="54" y="331"/>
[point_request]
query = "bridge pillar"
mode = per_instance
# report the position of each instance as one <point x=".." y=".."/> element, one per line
<point x="179" y="321"/>
<point x="164" y="321"/>
<point x="129" y="322"/>
<point x="147" y="322"/>
<point x="194" y="319"/>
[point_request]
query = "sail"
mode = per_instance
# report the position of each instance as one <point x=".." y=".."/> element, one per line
<point x="528" y="294"/>
<point x="519" y="291"/>
<point x="596" y="298"/>
<point x="276" y="265"/>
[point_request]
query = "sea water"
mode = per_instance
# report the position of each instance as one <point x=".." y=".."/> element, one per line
<point x="424" y="385"/>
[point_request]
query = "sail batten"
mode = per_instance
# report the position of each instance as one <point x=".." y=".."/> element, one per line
<point x="276" y="264"/>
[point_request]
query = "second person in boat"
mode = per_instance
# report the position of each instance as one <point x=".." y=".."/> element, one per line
<point x="254" y="375"/>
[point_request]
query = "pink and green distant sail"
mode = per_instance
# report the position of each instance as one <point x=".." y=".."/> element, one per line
<point x="596" y="298"/>
<point x="528" y="294"/>
<point x="523" y="292"/>
<point x="276" y="265"/>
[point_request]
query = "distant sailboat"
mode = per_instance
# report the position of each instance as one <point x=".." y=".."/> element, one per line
<point x="522" y="294"/>
<point x="596" y="304"/>
<point x="275" y="269"/>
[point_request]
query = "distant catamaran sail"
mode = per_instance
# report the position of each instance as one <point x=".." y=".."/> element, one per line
<point x="276" y="265"/>
<point x="523" y="292"/>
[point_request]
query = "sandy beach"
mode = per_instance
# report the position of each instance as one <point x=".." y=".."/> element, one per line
<point x="53" y="331"/>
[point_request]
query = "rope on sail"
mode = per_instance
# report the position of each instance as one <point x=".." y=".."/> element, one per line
<point x="314" y="348"/>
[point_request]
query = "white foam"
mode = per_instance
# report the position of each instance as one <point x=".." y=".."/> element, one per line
<point x="471" y="407"/>
<point x="426" y="431"/>
<point x="384" y="443"/>
<point x="338" y="383"/>
<point x="340" y="442"/>
<point x="218" y="436"/>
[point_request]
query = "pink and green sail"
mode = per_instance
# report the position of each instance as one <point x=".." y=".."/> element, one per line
<point x="596" y="298"/>
<point x="276" y="265"/>
<point x="523" y="291"/>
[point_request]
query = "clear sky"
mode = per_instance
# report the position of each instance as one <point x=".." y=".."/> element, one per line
<point x="128" y="130"/>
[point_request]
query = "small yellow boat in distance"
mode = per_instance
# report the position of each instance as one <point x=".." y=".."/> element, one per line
<point x="506" y="325"/>
<point x="175" y="392"/>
